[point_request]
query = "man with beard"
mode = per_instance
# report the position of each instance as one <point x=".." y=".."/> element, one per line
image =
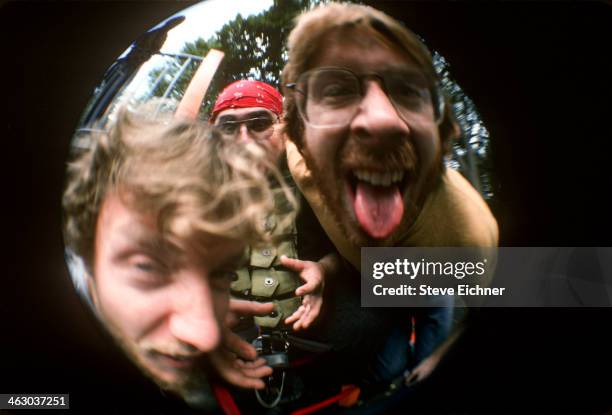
<point x="368" y="129"/>
<point x="250" y="111"/>
<point x="161" y="213"/>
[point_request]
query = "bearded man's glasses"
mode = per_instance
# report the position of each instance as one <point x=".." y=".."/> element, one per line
<point x="330" y="97"/>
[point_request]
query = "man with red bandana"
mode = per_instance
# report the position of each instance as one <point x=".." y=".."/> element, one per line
<point x="252" y="110"/>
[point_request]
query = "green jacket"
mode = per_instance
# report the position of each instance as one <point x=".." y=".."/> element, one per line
<point x="264" y="279"/>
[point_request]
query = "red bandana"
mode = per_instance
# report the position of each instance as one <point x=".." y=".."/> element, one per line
<point x="248" y="94"/>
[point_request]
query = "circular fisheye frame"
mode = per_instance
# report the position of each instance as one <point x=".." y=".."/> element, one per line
<point x="176" y="70"/>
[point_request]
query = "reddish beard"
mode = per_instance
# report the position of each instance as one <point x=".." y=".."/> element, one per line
<point x="399" y="156"/>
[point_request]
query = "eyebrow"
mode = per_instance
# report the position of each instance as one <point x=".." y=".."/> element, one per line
<point x="154" y="247"/>
<point x="247" y="116"/>
<point x="149" y="242"/>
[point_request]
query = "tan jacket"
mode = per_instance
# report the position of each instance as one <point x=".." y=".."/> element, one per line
<point x="453" y="215"/>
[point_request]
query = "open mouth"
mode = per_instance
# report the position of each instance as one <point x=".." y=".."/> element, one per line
<point x="377" y="197"/>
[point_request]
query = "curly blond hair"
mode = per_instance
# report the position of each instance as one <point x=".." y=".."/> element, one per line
<point x="184" y="172"/>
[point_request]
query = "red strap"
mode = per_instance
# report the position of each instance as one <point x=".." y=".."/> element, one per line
<point x="225" y="400"/>
<point x="229" y="407"/>
<point x="315" y="407"/>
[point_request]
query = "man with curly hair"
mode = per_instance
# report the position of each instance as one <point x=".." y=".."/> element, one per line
<point x="160" y="214"/>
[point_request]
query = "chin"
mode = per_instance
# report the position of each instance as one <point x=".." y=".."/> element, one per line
<point x="194" y="389"/>
<point x="167" y="379"/>
<point x="375" y="196"/>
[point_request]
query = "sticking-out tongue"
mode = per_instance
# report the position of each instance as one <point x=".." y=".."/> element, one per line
<point x="378" y="209"/>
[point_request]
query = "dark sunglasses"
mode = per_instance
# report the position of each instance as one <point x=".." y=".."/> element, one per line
<point x="256" y="125"/>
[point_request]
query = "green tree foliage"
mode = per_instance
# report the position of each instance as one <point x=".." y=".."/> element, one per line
<point x="470" y="152"/>
<point x="254" y="47"/>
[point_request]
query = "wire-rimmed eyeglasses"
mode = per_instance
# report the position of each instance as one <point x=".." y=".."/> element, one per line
<point x="329" y="97"/>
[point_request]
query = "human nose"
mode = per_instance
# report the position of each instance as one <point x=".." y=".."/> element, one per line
<point x="377" y="121"/>
<point x="243" y="133"/>
<point x="194" y="321"/>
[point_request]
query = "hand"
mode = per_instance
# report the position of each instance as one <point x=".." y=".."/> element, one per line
<point x="428" y="365"/>
<point x="423" y="370"/>
<point x="239" y="308"/>
<point x="236" y="360"/>
<point x="238" y="372"/>
<point x="313" y="274"/>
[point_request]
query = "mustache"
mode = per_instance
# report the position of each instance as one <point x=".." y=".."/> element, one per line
<point x="400" y="156"/>
<point x="174" y="350"/>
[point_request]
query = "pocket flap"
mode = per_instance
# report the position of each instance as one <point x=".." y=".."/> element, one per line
<point x="264" y="282"/>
